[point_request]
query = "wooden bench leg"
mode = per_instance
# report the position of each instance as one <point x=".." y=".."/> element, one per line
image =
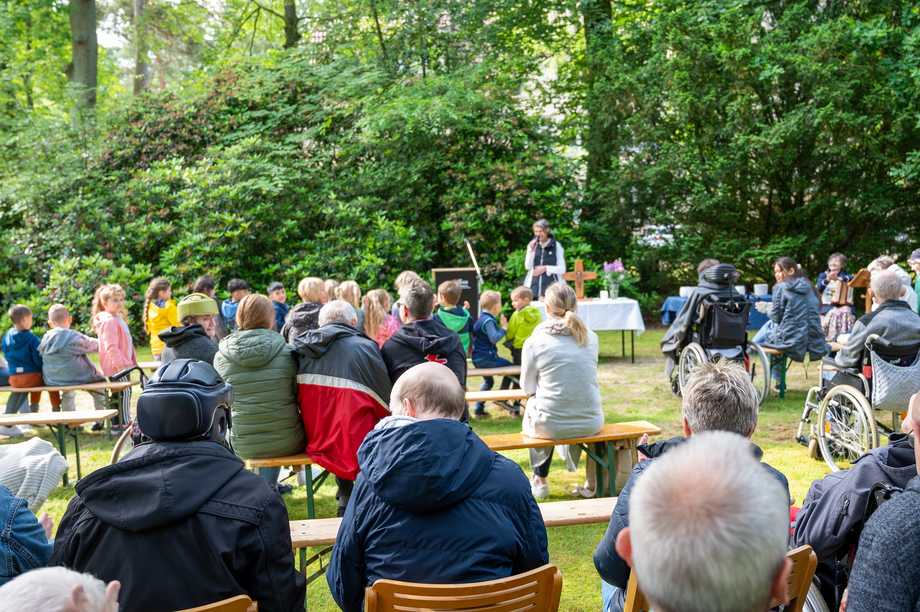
<point x="62" y="446"/>
<point x="611" y="453"/>
<point x="779" y="362"/>
<point x="308" y="481"/>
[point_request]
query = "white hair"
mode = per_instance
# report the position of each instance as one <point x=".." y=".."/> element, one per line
<point x="50" y="589"/>
<point x="887" y="285"/>
<point x="709" y="527"/>
<point x="721" y="397"/>
<point x="338" y="311"/>
<point x="432" y="388"/>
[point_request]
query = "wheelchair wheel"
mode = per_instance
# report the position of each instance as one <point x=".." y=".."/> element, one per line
<point x="758" y="366"/>
<point x="845" y="426"/>
<point x="692" y="356"/>
<point x="123" y="446"/>
<point x="814" y="602"/>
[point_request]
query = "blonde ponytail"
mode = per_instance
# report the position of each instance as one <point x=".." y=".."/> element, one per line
<point x="561" y="303"/>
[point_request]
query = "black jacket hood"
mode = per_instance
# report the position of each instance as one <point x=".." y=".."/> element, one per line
<point x="425" y="466"/>
<point x="428" y="337"/>
<point x="316" y="342"/>
<point x="158" y="484"/>
<point x="177" y="336"/>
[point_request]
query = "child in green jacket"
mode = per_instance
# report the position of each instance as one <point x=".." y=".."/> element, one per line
<point x="524" y="320"/>
<point x="455" y="318"/>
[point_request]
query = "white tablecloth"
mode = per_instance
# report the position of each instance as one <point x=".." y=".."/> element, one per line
<point x="605" y="315"/>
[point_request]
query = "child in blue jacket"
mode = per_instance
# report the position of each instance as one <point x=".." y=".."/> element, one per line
<point x="488" y="331"/>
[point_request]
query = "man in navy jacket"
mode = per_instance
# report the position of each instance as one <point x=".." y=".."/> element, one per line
<point x="432" y="503"/>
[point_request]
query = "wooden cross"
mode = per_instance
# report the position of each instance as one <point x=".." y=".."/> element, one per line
<point x="580" y="276"/>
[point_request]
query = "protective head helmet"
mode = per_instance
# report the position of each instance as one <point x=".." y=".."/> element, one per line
<point x="185" y="400"/>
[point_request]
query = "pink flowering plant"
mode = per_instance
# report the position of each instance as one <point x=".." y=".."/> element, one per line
<point x="614" y="275"/>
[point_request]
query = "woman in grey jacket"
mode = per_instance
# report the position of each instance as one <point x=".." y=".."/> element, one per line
<point x="559" y="372"/>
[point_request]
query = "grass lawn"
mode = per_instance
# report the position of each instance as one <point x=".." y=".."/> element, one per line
<point x="630" y="391"/>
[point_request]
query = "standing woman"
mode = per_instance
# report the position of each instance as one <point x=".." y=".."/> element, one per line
<point x="544" y="261"/>
<point x="559" y="373"/>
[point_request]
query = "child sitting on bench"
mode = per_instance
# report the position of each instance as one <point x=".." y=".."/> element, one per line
<point x="20" y="346"/>
<point x="455" y="317"/>
<point x="487" y="332"/>
<point x="65" y="358"/>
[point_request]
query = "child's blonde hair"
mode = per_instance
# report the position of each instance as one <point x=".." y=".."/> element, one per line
<point x="405" y="278"/>
<point x="450" y="291"/>
<point x="331" y="286"/>
<point x="350" y="292"/>
<point x="561" y="302"/>
<point x="489" y="299"/>
<point x="58" y="314"/>
<point x="103" y="294"/>
<point x="522" y="293"/>
<point x="376" y="309"/>
<point x="311" y="289"/>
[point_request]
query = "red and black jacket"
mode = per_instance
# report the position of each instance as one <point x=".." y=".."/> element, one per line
<point x="343" y="389"/>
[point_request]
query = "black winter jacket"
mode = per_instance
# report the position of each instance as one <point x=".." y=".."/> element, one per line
<point x="433" y="504"/>
<point x="612" y="568"/>
<point x="301" y="318"/>
<point x="421" y="341"/>
<point x="181" y="525"/>
<point x="189" y="342"/>
<point x="718" y="282"/>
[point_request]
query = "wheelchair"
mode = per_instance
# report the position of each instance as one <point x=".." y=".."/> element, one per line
<point x="723" y="326"/>
<point x="842" y="419"/>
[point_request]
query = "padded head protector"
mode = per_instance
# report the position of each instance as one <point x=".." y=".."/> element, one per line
<point x="185" y="400"/>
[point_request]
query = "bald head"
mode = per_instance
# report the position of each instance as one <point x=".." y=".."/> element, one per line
<point x="428" y="391"/>
<point x="886" y="286"/>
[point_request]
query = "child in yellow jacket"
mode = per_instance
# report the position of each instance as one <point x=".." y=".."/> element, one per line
<point x="159" y="313"/>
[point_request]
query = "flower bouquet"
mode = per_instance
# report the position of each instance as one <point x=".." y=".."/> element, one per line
<point x="614" y="275"/>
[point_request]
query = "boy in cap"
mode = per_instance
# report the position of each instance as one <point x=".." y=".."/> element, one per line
<point x="195" y="339"/>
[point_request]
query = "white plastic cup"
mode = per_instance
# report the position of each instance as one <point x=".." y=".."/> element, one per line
<point x="761" y="289"/>
<point x="605" y="295"/>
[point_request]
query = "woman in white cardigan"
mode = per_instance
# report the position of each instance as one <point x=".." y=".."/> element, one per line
<point x="559" y="372"/>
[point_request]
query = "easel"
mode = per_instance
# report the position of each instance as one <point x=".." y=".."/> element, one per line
<point x="860" y="281"/>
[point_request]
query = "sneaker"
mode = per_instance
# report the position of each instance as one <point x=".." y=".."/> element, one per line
<point x="284" y="489"/>
<point x="482" y="415"/>
<point x="26" y="429"/>
<point x="539" y="491"/>
<point x="583" y="492"/>
<point x="13" y="432"/>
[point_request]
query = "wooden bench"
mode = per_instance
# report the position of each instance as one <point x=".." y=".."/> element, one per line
<point x="149" y="365"/>
<point x="496" y="395"/>
<point x="321" y="533"/>
<point x="512" y="371"/>
<point x="60" y="423"/>
<point x="96" y="386"/>
<point x="601" y="447"/>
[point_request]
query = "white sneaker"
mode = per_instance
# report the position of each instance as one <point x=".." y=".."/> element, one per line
<point x="13" y="432"/>
<point x="26" y="429"/>
<point x="539" y="491"/>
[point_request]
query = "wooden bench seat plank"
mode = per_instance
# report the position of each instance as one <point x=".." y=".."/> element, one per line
<point x="96" y="386"/>
<point x="149" y="365"/>
<point x="322" y="532"/>
<point x="496" y="395"/>
<point x="287" y="461"/>
<point x="611" y="432"/>
<point x="76" y="417"/>
<point x="511" y="370"/>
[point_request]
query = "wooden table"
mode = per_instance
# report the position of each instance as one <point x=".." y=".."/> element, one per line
<point x="321" y="533"/>
<point x="96" y="386"/>
<point x="295" y="462"/>
<point x="58" y="423"/>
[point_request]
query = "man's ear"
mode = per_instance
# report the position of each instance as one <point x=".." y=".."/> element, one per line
<point x="624" y="545"/>
<point x="111" y="596"/>
<point x="403" y="313"/>
<point x="78" y="600"/>
<point x="686" y="426"/>
<point x="779" y="590"/>
<point x="409" y="408"/>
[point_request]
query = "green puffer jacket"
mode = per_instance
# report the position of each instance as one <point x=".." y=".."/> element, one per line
<point x="260" y="367"/>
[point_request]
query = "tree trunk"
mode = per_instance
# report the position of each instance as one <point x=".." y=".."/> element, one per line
<point x="291" y="31"/>
<point x="599" y="139"/>
<point x="141" y="48"/>
<point x="84" y="51"/>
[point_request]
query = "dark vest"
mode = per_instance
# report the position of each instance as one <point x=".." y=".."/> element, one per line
<point x="543" y="256"/>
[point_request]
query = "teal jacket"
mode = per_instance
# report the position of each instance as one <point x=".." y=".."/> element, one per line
<point x="260" y="367"/>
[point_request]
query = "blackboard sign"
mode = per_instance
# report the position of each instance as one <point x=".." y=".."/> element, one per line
<point x="469" y="284"/>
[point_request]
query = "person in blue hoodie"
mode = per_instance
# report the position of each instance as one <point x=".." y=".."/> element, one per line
<point x="278" y="296"/>
<point x="238" y="289"/>
<point x="432" y="503"/>
<point x="488" y="331"/>
<point x="24" y="362"/>
<point x="24" y="539"/>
